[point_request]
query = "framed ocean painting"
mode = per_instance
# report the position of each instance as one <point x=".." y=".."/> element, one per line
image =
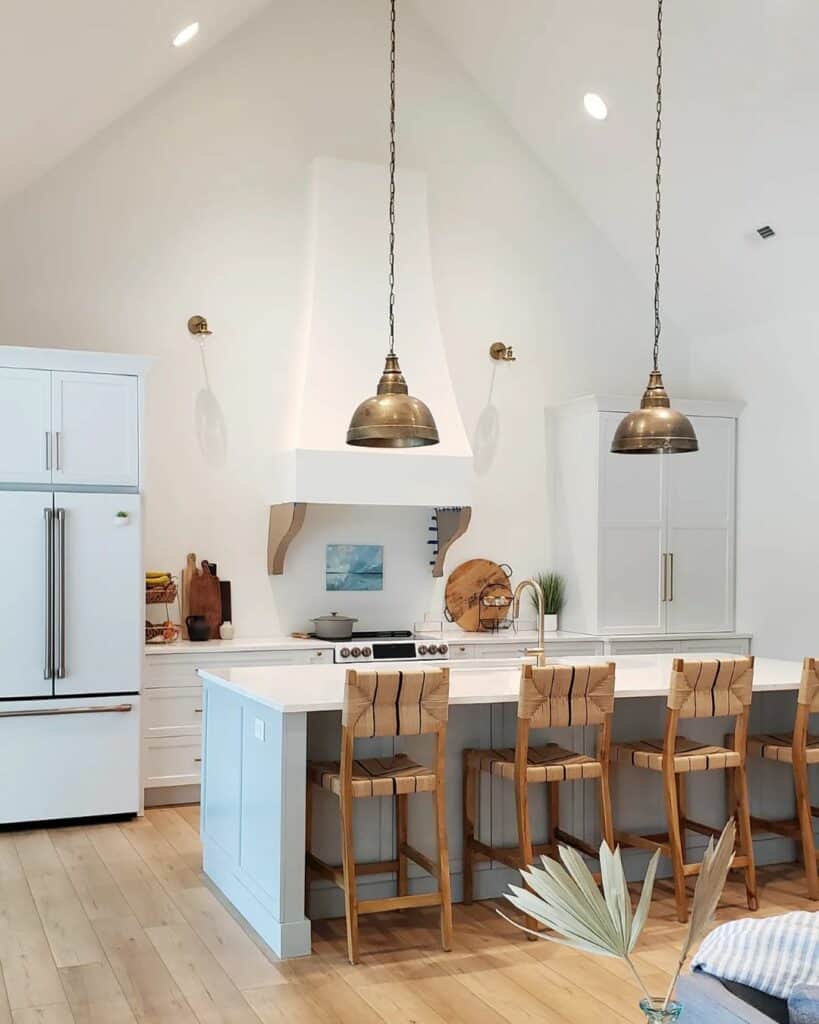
<point x="354" y="567"/>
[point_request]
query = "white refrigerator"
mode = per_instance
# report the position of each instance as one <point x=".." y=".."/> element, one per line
<point x="71" y="635"/>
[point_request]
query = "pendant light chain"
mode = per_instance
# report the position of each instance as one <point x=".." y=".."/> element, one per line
<point x="392" y="177"/>
<point x="658" y="182"/>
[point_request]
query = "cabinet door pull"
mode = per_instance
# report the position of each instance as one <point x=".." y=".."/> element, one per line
<point x="664" y="581"/>
<point x="57" y="438"/>
<point x="48" y="449"/>
<point x="197" y="711"/>
<point x="671" y="577"/>
<point x="197" y="760"/>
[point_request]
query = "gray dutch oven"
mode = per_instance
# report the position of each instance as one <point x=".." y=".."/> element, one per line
<point x="334" y="626"/>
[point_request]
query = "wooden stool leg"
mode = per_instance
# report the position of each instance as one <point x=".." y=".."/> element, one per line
<point x="672" y="813"/>
<point x="682" y="807"/>
<point x="524" y="836"/>
<point x="606" y="817"/>
<point x="444" y="881"/>
<point x="348" y="867"/>
<point x="553" y="791"/>
<point x="803" y="810"/>
<point x="400" y="841"/>
<point x="470" y="810"/>
<point x="308" y="844"/>
<point x="743" y="810"/>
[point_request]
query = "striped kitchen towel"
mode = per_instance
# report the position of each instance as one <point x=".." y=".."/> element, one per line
<point x="770" y="954"/>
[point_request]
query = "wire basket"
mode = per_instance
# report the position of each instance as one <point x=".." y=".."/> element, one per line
<point x="161" y="633"/>
<point x="161" y="595"/>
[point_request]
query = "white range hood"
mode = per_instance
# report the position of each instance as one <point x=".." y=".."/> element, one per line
<point x="344" y="346"/>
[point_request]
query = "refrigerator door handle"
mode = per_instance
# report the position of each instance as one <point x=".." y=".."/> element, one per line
<point x="48" y="662"/>
<point x="117" y="709"/>
<point x="61" y="670"/>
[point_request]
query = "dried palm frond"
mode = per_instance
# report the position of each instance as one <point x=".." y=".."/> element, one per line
<point x="716" y="863"/>
<point x="566" y="899"/>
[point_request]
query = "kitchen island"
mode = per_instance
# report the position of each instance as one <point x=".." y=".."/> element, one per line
<point x="263" y="723"/>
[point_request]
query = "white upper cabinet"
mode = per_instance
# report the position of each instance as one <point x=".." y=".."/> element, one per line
<point x="25" y="424"/>
<point x="700" y="543"/>
<point x="631" y="539"/>
<point x="646" y="542"/>
<point x="95" y="421"/>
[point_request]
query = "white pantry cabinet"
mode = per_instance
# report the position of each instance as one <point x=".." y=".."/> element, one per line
<point x="68" y="428"/>
<point x="646" y="543"/>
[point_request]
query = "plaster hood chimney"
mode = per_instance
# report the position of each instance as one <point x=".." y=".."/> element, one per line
<point x="344" y="345"/>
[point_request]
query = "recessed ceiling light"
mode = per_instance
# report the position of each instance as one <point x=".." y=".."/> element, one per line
<point x="595" y="106"/>
<point x="186" y="34"/>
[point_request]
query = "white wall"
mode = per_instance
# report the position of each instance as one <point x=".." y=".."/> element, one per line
<point x="195" y="203"/>
<point x="774" y="368"/>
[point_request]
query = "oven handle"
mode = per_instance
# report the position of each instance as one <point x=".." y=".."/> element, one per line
<point x="41" y="712"/>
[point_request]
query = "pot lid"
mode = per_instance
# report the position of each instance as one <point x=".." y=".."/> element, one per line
<point x="334" y="617"/>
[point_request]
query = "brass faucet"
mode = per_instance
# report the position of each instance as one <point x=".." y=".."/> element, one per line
<point x="540" y="651"/>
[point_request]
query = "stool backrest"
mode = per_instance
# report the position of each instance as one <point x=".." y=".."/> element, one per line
<point x="560" y="696"/>
<point x="809" y="687"/>
<point x="711" y="688"/>
<point x="557" y="696"/>
<point x="403" y="702"/>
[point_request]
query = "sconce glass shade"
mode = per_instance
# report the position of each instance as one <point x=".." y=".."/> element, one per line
<point x="655" y="427"/>
<point x="392" y="418"/>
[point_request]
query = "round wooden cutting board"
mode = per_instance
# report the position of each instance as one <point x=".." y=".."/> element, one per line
<point x="464" y="588"/>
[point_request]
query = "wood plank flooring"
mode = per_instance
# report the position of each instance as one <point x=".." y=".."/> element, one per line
<point x="116" y="924"/>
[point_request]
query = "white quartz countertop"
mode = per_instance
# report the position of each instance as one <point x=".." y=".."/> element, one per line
<point x="239" y="644"/>
<point x="298" y="688"/>
<point x="529" y="636"/>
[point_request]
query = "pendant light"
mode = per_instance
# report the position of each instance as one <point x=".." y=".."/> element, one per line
<point x="655" y="426"/>
<point x="392" y="418"/>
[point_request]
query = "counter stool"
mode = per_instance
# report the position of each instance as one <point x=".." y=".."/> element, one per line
<point x="553" y="696"/>
<point x="799" y="750"/>
<point x="397" y="703"/>
<point x="699" y="689"/>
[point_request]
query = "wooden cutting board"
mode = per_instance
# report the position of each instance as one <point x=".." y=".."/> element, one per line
<point x="464" y="588"/>
<point x="205" y="596"/>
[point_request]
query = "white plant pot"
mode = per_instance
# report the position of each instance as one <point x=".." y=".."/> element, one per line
<point x="549" y="623"/>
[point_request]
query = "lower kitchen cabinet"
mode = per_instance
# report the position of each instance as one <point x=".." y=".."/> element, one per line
<point x="172" y="714"/>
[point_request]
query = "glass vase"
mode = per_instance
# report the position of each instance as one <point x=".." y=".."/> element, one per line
<point x="655" y="1014"/>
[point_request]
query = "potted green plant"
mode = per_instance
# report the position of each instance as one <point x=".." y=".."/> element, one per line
<point x="565" y="898"/>
<point x="553" y="588"/>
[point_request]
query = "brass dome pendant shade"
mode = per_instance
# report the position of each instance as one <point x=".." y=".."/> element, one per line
<point x="392" y="418"/>
<point x="655" y="427"/>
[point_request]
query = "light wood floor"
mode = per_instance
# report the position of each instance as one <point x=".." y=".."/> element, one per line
<point x="113" y="924"/>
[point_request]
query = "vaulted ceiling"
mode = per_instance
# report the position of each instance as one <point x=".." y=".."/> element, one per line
<point x="741" y="146"/>
<point x="68" y="68"/>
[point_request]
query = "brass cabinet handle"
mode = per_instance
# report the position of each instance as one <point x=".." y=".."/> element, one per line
<point x="197" y="711"/>
<point x="197" y="760"/>
<point x="42" y="712"/>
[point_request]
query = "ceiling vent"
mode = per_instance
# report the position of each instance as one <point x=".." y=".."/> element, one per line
<point x="766" y="231"/>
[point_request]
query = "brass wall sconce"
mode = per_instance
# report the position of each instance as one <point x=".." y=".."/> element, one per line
<point x="198" y="326"/>
<point x="502" y="353"/>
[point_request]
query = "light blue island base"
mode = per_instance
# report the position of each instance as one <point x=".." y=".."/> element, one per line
<point x="253" y="815"/>
<point x="254" y="789"/>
